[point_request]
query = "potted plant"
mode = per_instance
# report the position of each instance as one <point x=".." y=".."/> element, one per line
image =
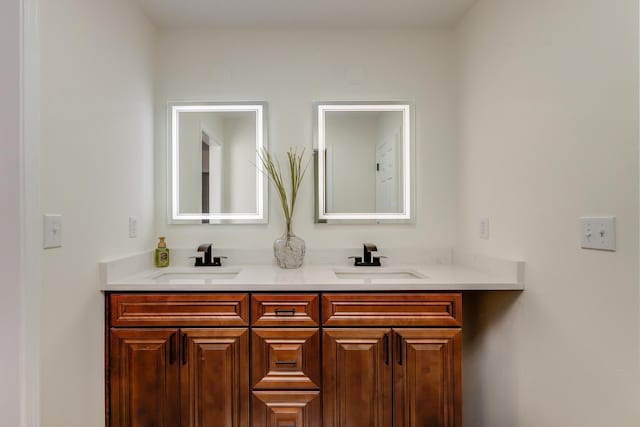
<point x="288" y="249"/>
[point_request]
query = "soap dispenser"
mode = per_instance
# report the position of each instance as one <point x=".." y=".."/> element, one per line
<point x="162" y="254"/>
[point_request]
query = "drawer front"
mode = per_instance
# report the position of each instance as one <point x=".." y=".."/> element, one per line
<point x="285" y="310"/>
<point x="404" y="309"/>
<point x="286" y="409"/>
<point x="285" y="359"/>
<point x="179" y="310"/>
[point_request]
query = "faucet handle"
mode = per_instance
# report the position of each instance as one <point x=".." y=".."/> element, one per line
<point x="204" y="247"/>
<point x="370" y="247"/>
<point x="205" y="260"/>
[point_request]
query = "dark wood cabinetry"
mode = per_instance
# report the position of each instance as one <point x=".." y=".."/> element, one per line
<point x="192" y="375"/>
<point x="396" y="376"/>
<point x="357" y="375"/>
<point x="299" y="360"/>
<point x="286" y="409"/>
<point x="214" y="378"/>
<point x="144" y="378"/>
<point x="285" y="360"/>
<point x="427" y="377"/>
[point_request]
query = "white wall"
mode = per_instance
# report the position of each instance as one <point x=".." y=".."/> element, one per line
<point x="549" y="133"/>
<point x="10" y="323"/>
<point x="290" y="70"/>
<point x="97" y="169"/>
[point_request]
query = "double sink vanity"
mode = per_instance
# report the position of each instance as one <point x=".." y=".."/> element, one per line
<point x="341" y="342"/>
<point x="324" y="345"/>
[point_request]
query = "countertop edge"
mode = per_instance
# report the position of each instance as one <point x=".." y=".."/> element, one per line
<point x="469" y="273"/>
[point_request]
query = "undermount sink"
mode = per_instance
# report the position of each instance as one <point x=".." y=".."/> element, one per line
<point x="378" y="274"/>
<point x="198" y="276"/>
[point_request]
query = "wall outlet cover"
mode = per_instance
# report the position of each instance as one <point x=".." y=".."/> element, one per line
<point x="484" y="228"/>
<point x="52" y="231"/>
<point x="133" y="227"/>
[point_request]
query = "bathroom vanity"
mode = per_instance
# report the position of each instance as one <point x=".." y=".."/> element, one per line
<point x="321" y="346"/>
<point x="284" y="359"/>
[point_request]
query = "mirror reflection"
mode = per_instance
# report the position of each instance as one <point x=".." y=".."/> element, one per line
<point x="215" y="174"/>
<point x="363" y="163"/>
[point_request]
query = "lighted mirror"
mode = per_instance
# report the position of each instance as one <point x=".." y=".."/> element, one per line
<point x="215" y="172"/>
<point x="363" y="162"/>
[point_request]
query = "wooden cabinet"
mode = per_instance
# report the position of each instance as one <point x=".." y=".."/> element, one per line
<point x="427" y="377"/>
<point x="330" y="360"/>
<point x="367" y="378"/>
<point x="144" y="378"/>
<point x="397" y="376"/>
<point x="357" y="378"/>
<point x="285" y="360"/>
<point x="190" y="376"/>
<point x="214" y="378"/>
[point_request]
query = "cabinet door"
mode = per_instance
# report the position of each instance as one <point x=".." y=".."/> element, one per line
<point x="357" y="371"/>
<point x="427" y="378"/>
<point x="286" y="409"/>
<point x="214" y="377"/>
<point x="144" y="378"/>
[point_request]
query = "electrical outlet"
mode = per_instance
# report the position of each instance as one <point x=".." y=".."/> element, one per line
<point x="133" y="227"/>
<point x="484" y="228"/>
<point x="52" y="231"/>
<point x="598" y="233"/>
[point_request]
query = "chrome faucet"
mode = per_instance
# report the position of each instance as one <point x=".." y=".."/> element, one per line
<point x="206" y="260"/>
<point x="367" y="260"/>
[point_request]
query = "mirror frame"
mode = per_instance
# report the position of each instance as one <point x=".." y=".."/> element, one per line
<point x="322" y="216"/>
<point x="262" y="195"/>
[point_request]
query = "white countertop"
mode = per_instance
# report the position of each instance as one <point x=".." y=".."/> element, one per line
<point x="461" y="272"/>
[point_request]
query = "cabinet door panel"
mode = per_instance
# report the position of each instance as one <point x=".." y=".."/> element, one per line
<point x="214" y="378"/>
<point x="144" y="378"/>
<point x="356" y="378"/>
<point x="428" y="377"/>
<point x="286" y="409"/>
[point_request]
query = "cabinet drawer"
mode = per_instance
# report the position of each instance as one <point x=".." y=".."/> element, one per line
<point x="179" y="310"/>
<point x="284" y="310"/>
<point x="285" y="358"/>
<point x="406" y="309"/>
<point x="286" y="409"/>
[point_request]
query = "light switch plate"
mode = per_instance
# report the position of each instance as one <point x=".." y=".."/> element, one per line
<point x="52" y="231"/>
<point x="598" y="233"/>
